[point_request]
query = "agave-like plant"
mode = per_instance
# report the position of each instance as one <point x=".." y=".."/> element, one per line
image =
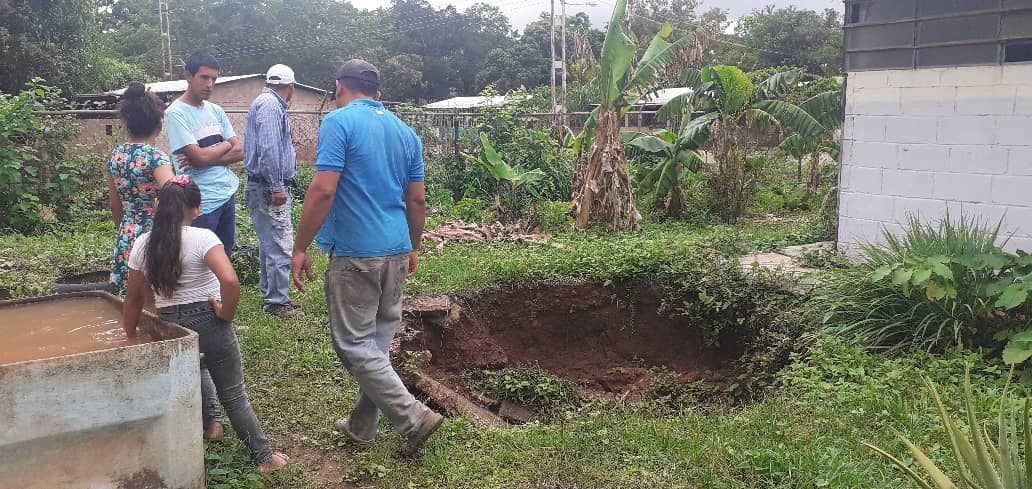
<point x="981" y="462"/>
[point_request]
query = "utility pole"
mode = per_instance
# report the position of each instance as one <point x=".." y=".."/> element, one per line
<point x="551" y="62"/>
<point x="165" y="26"/>
<point x="563" y="107"/>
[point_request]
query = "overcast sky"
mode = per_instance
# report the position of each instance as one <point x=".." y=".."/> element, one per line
<point x="522" y="12"/>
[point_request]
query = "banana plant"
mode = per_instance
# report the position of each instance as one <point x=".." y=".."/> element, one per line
<point x="500" y="172"/>
<point x="678" y="159"/>
<point x="602" y="184"/>
<point x="721" y="109"/>
<point x="980" y="462"/>
<point x="825" y="108"/>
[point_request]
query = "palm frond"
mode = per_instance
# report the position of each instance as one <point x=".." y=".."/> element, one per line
<point x="778" y="83"/>
<point x="617" y="55"/>
<point x="761" y="120"/>
<point x="792" y="116"/>
<point x="826" y="107"/>
<point x="659" y="53"/>
<point x="696" y="132"/>
<point x="677" y="106"/>
<point x="691" y="78"/>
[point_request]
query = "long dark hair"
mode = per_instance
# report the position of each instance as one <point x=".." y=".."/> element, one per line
<point x="163" y="261"/>
<point x="141" y="111"/>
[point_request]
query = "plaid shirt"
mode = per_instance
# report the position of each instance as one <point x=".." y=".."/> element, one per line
<point x="269" y="155"/>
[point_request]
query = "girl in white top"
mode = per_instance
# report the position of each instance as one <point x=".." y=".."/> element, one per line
<point x="186" y="270"/>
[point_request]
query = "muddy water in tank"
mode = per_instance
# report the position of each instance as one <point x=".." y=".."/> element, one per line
<point x="81" y="406"/>
<point x="58" y="328"/>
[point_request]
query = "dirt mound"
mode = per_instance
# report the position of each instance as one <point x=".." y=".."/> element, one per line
<point x="611" y="342"/>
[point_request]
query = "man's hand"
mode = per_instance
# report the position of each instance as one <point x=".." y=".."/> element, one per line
<point x="413" y="262"/>
<point x="300" y="262"/>
<point x="278" y="198"/>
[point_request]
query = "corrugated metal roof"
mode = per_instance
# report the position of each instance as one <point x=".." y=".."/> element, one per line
<point x="664" y="95"/>
<point x="178" y="86"/>
<point x="468" y="102"/>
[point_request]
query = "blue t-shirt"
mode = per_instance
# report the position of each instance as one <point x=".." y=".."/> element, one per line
<point x="203" y="126"/>
<point x="377" y="155"/>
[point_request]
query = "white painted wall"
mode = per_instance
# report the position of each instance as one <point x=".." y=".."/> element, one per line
<point x="930" y="140"/>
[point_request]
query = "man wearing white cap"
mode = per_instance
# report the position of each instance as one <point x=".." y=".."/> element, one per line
<point x="269" y="161"/>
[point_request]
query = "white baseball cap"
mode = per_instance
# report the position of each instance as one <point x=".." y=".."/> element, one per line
<point x="280" y="75"/>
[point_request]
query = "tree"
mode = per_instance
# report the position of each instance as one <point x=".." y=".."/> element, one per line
<point x="723" y="107"/>
<point x="786" y="37"/>
<point x="44" y="39"/>
<point x="524" y="62"/>
<point x="602" y="184"/>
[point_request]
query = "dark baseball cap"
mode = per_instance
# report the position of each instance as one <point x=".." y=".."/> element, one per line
<point x="359" y="70"/>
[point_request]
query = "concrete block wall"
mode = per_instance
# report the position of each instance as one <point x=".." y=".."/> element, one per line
<point x="928" y="141"/>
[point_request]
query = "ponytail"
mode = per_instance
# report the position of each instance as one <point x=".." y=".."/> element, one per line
<point x="163" y="262"/>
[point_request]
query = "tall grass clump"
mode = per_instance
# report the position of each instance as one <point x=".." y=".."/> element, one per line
<point x="933" y="287"/>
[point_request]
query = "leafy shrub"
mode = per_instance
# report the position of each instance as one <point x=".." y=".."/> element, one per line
<point x="523" y="146"/>
<point x="934" y="287"/>
<point x="554" y="218"/>
<point x="37" y="177"/>
<point x="758" y="312"/>
<point x="530" y="386"/>
<point x="519" y="187"/>
<point x="667" y="390"/>
<point x="822" y="258"/>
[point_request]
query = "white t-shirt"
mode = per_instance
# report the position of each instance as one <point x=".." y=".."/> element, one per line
<point x="198" y="282"/>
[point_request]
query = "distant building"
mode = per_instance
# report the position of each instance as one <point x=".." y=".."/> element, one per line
<point x="234" y="94"/>
<point x="938" y="115"/>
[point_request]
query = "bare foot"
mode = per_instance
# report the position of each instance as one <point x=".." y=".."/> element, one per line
<point x="278" y="461"/>
<point x="213" y="432"/>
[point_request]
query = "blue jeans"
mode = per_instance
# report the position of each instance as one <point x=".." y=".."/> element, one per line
<point x="221" y="221"/>
<point x="218" y="343"/>
<point x="275" y="230"/>
<point x="364" y="300"/>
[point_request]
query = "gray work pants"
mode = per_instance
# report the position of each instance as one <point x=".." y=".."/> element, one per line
<point x="364" y="300"/>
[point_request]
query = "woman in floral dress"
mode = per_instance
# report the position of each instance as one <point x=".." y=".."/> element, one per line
<point x="136" y="171"/>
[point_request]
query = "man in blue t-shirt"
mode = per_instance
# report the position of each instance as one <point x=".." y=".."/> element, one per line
<point x="203" y="141"/>
<point x="367" y="203"/>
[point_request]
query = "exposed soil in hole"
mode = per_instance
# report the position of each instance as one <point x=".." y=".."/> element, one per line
<point x="611" y="342"/>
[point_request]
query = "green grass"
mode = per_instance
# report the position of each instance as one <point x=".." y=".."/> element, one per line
<point x="807" y="434"/>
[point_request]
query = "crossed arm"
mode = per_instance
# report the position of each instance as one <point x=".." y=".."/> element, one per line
<point x="195" y="157"/>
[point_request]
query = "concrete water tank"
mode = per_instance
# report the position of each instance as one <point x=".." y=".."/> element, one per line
<point x="119" y="418"/>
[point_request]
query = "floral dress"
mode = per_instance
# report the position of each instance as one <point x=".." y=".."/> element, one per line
<point x="132" y="168"/>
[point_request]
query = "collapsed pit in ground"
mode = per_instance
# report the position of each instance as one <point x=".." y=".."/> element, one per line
<point x="610" y="342"/>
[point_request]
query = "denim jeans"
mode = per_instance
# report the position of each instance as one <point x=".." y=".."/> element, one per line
<point x="218" y="342"/>
<point x="222" y="222"/>
<point x="275" y="230"/>
<point x="364" y="300"/>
